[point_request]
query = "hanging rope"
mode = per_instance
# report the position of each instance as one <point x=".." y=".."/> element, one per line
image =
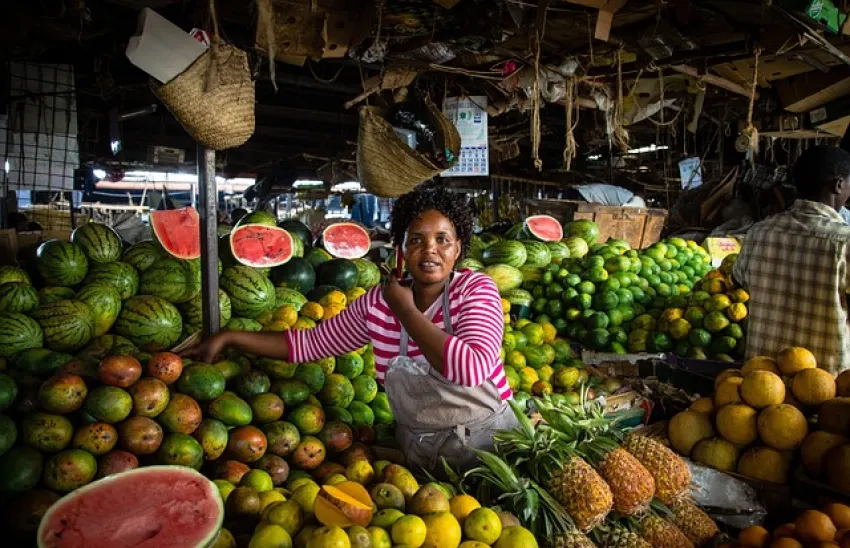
<point x="750" y="131"/>
<point x="619" y="134"/>
<point x="663" y="100"/>
<point x="570" y="146"/>
<point x="265" y="14"/>
<point x="535" y="114"/>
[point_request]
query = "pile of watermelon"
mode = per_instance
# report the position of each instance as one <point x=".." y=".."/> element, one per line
<point x="88" y="387"/>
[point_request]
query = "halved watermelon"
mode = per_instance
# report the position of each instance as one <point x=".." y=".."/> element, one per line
<point x="178" y="231"/>
<point x="261" y="246"/>
<point x="173" y="506"/>
<point x="544" y="228"/>
<point x="346" y="241"/>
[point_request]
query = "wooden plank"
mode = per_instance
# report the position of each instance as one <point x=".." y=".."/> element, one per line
<point x="805" y="92"/>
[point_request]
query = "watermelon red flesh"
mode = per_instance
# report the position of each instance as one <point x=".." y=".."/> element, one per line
<point x="261" y="246"/>
<point x="178" y="231"/>
<point x="171" y="506"/>
<point x="346" y="241"/>
<point x="545" y="228"/>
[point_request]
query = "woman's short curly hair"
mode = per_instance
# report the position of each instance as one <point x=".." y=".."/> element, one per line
<point x="426" y="197"/>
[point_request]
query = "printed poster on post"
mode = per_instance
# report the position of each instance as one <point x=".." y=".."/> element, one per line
<point x="469" y="116"/>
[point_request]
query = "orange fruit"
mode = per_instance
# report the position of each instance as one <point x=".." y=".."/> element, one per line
<point x="785" y="542"/>
<point x="839" y="514"/>
<point x="754" y="536"/>
<point x="794" y="359"/>
<point x="813" y="386"/>
<point x="760" y="363"/>
<point x="842" y="381"/>
<point x="814" y="526"/>
<point x="785" y="530"/>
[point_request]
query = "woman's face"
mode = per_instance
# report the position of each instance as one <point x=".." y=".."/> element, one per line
<point x="431" y="248"/>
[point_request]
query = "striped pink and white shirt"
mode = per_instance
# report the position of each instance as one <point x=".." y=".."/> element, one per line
<point x="470" y="357"/>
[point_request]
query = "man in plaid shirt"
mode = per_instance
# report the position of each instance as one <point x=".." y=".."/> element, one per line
<point x="795" y="266"/>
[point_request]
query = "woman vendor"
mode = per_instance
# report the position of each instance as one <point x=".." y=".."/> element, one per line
<point x="436" y="338"/>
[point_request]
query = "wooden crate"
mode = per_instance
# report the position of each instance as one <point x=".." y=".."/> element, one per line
<point x="638" y="226"/>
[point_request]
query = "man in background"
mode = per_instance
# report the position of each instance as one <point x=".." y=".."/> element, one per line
<point x="795" y="266"/>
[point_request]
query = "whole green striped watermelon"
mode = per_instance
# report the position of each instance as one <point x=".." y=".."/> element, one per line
<point x="577" y="246"/>
<point x="18" y="297"/>
<point x="68" y="324"/>
<point x="105" y="303"/>
<point x="18" y="333"/>
<point x="47" y="295"/>
<point x="169" y="279"/>
<point x="99" y="242"/>
<point x="61" y="263"/>
<point x="505" y="276"/>
<point x="121" y="276"/>
<point x="258" y="217"/>
<point x="151" y="323"/>
<point x="243" y="324"/>
<point x="284" y="295"/>
<point x="297" y="274"/>
<point x="251" y="292"/>
<point x="192" y="311"/>
<point x="10" y="274"/>
<point x="143" y="255"/>
<point x="559" y="251"/>
<point x="470" y="264"/>
<point x="368" y="273"/>
<point x="509" y="252"/>
<point x="537" y="254"/>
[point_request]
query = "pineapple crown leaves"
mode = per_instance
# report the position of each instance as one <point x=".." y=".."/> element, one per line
<point x="530" y="502"/>
<point x="659" y="508"/>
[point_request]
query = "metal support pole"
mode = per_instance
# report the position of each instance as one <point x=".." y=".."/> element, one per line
<point x="208" y="212"/>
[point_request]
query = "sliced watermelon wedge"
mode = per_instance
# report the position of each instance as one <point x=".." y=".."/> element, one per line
<point x="178" y="231"/>
<point x="544" y="228"/>
<point x="154" y="506"/>
<point x="261" y="246"/>
<point x="346" y="241"/>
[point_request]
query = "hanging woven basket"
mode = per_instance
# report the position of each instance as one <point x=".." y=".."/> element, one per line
<point x="213" y="99"/>
<point x="386" y="166"/>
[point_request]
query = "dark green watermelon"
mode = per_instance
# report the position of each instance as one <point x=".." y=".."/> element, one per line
<point x="297" y="274"/>
<point x="320" y="291"/>
<point x="299" y="230"/>
<point x="341" y="273"/>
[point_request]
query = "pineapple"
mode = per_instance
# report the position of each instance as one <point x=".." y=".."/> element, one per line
<point x="693" y="522"/>
<point x="582" y="492"/>
<point x="672" y="476"/>
<point x="574" y="539"/>
<point x="544" y="454"/>
<point x="632" y="486"/>
<point x="617" y="536"/>
<point x="661" y="533"/>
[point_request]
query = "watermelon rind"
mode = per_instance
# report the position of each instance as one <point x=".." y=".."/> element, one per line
<point x="105" y="303"/>
<point x="243" y="324"/>
<point x="169" y="279"/>
<point x="18" y="297"/>
<point x="121" y="276"/>
<point x="505" y="276"/>
<point x="298" y="230"/>
<point x="100" y="243"/>
<point x="251" y="292"/>
<point x="263" y="237"/>
<point x="61" y="263"/>
<point x="51" y="294"/>
<point x="297" y="274"/>
<point x="470" y="264"/>
<point x="143" y="255"/>
<point x="46" y="537"/>
<point x="350" y="250"/>
<point x="369" y="275"/>
<point x="585" y="229"/>
<point x="258" y="217"/>
<point x="509" y="252"/>
<point x="178" y="231"/>
<point x="342" y="273"/>
<point x="150" y="322"/>
<point x="537" y="254"/>
<point x="10" y="274"/>
<point x="284" y="295"/>
<point x="18" y="333"/>
<point x="68" y="325"/>
<point x="192" y="311"/>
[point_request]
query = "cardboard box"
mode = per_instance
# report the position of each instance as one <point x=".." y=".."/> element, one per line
<point x="8" y="245"/>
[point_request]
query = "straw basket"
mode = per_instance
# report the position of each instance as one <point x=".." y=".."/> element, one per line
<point x="213" y="99"/>
<point x="386" y="166"/>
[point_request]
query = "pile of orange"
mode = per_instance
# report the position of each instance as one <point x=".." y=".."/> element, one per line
<point x="828" y="527"/>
